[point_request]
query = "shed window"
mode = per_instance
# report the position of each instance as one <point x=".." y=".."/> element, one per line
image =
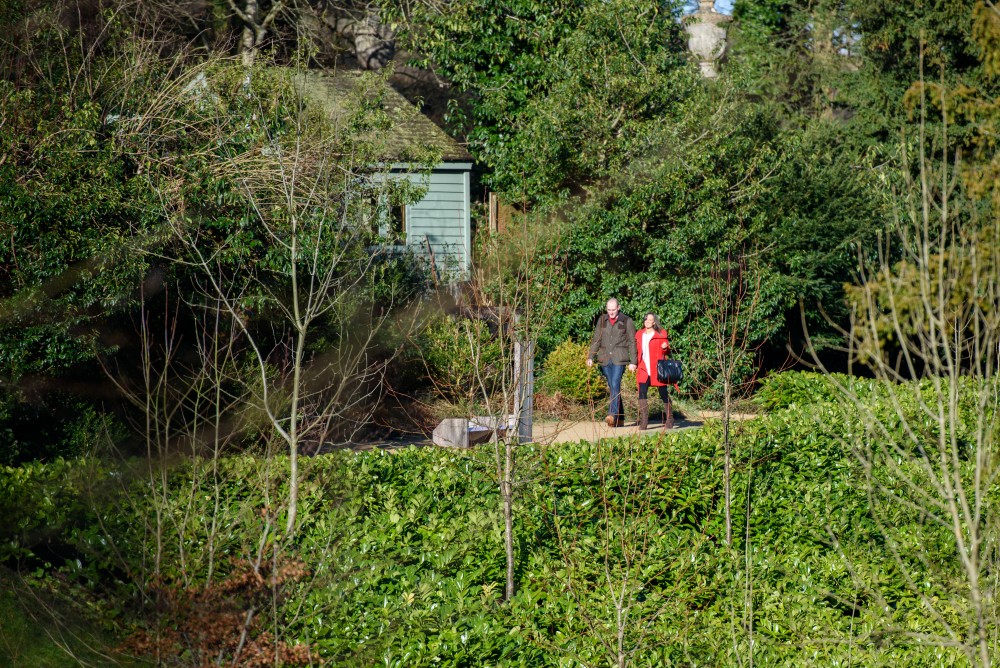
<point x="390" y="219"/>
<point x="397" y="222"/>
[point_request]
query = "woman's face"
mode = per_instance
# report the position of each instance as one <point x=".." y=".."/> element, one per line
<point x="649" y="322"/>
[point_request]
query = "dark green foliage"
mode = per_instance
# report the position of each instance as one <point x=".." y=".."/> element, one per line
<point x="656" y="235"/>
<point x="52" y="424"/>
<point x="896" y="36"/>
<point x="70" y="201"/>
<point x="793" y="153"/>
<point x="659" y="175"/>
<point x="49" y="519"/>
<point x="109" y="154"/>
<point x="565" y="93"/>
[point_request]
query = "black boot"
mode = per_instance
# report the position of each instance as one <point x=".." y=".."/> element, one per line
<point x="643" y="413"/>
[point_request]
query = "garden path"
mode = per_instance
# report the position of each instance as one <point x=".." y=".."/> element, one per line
<point x="569" y="431"/>
<point x="548" y="432"/>
<point x="586" y="430"/>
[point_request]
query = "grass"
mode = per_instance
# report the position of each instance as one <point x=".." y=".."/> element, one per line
<point x="38" y="632"/>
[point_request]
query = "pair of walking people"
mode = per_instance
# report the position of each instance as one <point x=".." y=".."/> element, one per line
<point x="616" y="345"/>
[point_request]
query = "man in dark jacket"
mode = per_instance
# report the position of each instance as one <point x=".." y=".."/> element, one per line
<point x="613" y="344"/>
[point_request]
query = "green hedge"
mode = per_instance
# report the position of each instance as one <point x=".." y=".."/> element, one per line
<point x="801" y="388"/>
<point x="404" y="551"/>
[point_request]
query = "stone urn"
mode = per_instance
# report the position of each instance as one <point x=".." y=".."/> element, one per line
<point x="707" y="36"/>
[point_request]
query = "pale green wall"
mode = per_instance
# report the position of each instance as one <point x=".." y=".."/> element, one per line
<point x="443" y="217"/>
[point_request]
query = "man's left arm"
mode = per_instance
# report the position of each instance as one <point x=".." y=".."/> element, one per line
<point x="633" y="358"/>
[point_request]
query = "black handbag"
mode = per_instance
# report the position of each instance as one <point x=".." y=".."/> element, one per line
<point x="669" y="371"/>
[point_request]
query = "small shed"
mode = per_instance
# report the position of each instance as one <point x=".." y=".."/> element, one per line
<point x="439" y="226"/>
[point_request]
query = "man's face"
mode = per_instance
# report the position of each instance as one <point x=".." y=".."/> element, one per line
<point x="612" y="309"/>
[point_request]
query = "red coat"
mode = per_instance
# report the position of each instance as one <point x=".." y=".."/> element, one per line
<point x="656" y="353"/>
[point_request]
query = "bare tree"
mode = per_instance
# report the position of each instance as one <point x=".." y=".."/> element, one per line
<point x="520" y="277"/>
<point x="730" y="302"/>
<point x="511" y="295"/>
<point x="257" y="21"/>
<point x="219" y="563"/>
<point x="926" y="323"/>
<point x="300" y="264"/>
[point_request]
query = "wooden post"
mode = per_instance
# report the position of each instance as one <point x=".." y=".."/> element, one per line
<point x="494" y="204"/>
<point x="524" y="393"/>
<point x="430" y="254"/>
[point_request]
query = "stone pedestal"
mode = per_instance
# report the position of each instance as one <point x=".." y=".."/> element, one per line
<point x="496" y="426"/>
<point x="452" y="433"/>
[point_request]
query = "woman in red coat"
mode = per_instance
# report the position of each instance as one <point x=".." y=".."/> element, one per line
<point x="652" y="346"/>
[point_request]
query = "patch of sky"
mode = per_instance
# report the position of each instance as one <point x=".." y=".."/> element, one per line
<point x="721" y="6"/>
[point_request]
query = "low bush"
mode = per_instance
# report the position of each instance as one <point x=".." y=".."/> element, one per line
<point x="461" y="357"/>
<point x="43" y="504"/>
<point x="565" y="371"/>
<point x="797" y="388"/>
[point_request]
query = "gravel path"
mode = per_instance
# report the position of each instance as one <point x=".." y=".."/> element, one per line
<point x="568" y="431"/>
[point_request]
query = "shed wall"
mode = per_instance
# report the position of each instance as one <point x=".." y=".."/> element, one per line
<point x="442" y="219"/>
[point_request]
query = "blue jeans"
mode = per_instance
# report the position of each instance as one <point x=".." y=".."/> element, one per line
<point x="613" y="374"/>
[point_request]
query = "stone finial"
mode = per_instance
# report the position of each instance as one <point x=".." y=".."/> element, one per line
<point x="707" y="36"/>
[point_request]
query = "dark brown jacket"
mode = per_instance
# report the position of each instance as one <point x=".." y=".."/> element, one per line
<point x="613" y="343"/>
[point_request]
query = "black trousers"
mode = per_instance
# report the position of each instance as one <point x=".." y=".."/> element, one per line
<point x="663" y="389"/>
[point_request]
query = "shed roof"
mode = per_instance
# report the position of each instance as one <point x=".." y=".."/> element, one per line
<point x="410" y="128"/>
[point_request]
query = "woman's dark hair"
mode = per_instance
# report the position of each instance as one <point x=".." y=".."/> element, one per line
<point x="656" y="321"/>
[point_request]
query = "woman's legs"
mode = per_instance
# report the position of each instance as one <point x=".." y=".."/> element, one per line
<point x="668" y="408"/>
<point x="643" y="405"/>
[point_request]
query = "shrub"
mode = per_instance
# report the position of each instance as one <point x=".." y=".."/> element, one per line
<point x="566" y="373"/>
<point x="799" y="388"/>
<point x="43" y="503"/>
<point x="458" y="353"/>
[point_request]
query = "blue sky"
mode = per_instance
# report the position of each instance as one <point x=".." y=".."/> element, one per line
<point x="724" y="6"/>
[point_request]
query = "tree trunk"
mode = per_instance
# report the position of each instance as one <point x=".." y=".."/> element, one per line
<point x="726" y="417"/>
<point x="524" y="388"/>
<point x="293" y="432"/>
<point x="248" y="42"/>
<point x="507" y="491"/>
<point x="374" y="42"/>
